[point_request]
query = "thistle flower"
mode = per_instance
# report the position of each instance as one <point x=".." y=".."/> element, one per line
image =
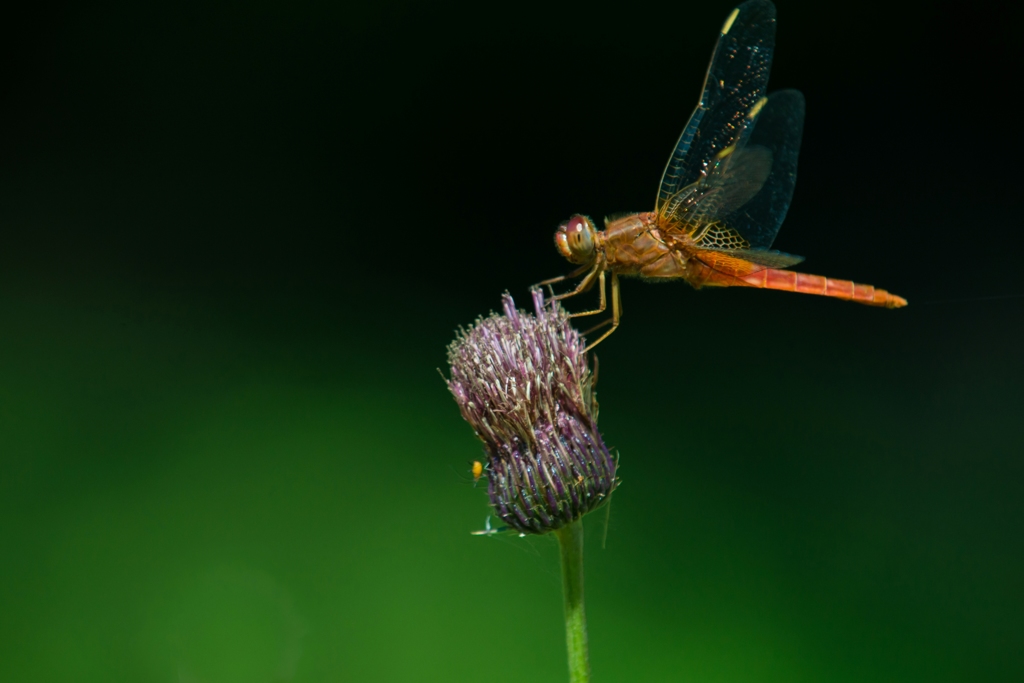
<point x="524" y="384"/>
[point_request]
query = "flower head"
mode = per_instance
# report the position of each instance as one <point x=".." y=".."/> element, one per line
<point x="524" y="384"/>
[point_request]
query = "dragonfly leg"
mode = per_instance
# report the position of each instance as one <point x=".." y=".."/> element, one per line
<point x="576" y="273"/>
<point x="595" y="328"/>
<point x="603" y="302"/>
<point x="616" y="314"/>
<point x="586" y="283"/>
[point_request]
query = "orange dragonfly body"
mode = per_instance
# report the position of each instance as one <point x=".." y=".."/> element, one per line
<point x="724" y="193"/>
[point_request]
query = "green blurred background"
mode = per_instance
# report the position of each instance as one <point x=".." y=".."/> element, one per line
<point x="235" y="239"/>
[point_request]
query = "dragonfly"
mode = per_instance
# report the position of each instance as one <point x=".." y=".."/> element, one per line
<point x="724" y="193"/>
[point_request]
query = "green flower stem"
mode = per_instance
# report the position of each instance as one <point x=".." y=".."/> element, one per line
<point x="570" y="539"/>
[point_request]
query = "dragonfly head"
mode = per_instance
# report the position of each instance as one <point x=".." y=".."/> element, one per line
<point x="575" y="239"/>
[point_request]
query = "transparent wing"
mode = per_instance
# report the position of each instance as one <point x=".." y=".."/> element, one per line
<point x="742" y="202"/>
<point x="735" y="180"/>
<point x="769" y="258"/>
<point x="779" y="127"/>
<point x="734" y="216"/>
<point x="725" y="262"/>
<point x="745" y="261"/>
<point x="735" y="82"/>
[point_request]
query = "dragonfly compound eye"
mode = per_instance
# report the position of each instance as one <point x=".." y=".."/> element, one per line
<point x="575" y="239"/>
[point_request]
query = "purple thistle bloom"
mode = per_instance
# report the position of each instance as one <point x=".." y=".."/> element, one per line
<point x="523" y="383"/>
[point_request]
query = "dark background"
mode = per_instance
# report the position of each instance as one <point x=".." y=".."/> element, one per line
<point x="235" y="239"/>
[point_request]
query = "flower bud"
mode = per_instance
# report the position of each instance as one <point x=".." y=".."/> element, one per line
<point x="524" y="384"/>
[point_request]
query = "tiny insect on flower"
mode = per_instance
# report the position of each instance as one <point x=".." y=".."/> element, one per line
<point x="524" y="384"/>
<point x="477" y="470"/>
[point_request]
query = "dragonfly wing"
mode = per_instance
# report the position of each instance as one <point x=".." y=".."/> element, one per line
<point x="724" y="262"/>
<point x="737" y="175"/>
<point x="769" y="258"/>
<point x="735" y="82"/>
<point x="736" y="179"/>
<point x="779" y="127"/>
<point x="745" y="261"/>
<point x="744" y="199"/>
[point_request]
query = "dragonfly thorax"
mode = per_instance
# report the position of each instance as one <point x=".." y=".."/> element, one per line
<point x="576" y="239"/>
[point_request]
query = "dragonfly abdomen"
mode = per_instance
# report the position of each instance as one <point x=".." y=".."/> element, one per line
<point x="804" y="283"/>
